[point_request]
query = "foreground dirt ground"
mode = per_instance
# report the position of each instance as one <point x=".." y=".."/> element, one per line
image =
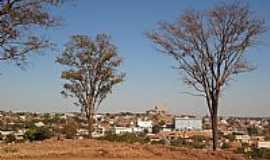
<point x="103" y="150"/>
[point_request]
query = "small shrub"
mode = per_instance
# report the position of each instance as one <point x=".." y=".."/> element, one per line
<point x="10" y="138"/>
<point x="260" y="153"/>
<point x="252" y="131"/>
<point x="231" y="137"/>
<point x="179" y="142"/>
<point x="156" y="129"/>
<point x="162" y="141"/>
<point x="225" y="146"/>
<point x="70" y="129"/>
<point x="199" y="141"/>
<point x="127" y="138"/>
<point x="38" y="134"/>
<point x="198" y="145"/>
<point x="266" y="154"/>
<point x="198" y="138"/>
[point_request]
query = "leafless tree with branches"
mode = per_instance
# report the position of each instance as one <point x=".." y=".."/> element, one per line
<point x="210" y="47"/>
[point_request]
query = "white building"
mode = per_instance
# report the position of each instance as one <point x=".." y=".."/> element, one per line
<point x="20" y="134"/>
<point x="265" y="144"/>
<point x="243" y="138"/>
<point x="39" y="124"/>
<point x="5" y="133"/>
<point x="122" y="130"/>
<point x="99" y="132"/>
<point x="145" y="125"/>
<point x="157" y="110"/>
<point x="82" y="132"/>
<point x="99" y="117"/>
<point x="137" y="129"/>
<point x="186" y="123"/>
<point x="166" y="129"/>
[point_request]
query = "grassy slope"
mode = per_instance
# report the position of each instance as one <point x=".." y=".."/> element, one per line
<point x="103" y="150"/>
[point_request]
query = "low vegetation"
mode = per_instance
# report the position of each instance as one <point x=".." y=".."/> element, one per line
<point x="70" y="129"/>
<point x="126" y="138"/>
<point x="104" y="150"/>
<point x="254" y="153"/>
<point x="38" y="134"/>
<point x="10" y="138"/>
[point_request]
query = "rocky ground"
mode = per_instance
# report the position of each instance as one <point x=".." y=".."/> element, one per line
<point x="103" y="150"/>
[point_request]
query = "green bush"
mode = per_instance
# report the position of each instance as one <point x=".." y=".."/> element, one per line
<point x="199" y="138"/>
<point x="197" y="142"/>
<point x="127" y="138"/>
<point x="198" y="145"/>
<point x="231" y="137"/>
<point x="162" y="141"/>
<point x="255" y="153"/>
<point x="260" y="153"/>
<point x="29" y="124"/>
<point x="38" y="134"/>
<point x="179" y="142"/>
<point x="266" y="153"/>
<point x="156" y="129"/>
<point x="252" y="131"/>
<point x="225" y="146"/>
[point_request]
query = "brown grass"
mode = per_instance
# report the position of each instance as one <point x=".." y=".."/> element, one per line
<point x="103" y="150"/>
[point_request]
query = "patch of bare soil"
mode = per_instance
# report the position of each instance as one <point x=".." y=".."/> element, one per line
<point x="103" y="150"/>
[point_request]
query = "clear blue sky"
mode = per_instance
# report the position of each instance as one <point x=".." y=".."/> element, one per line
<point x="150" y="79"/>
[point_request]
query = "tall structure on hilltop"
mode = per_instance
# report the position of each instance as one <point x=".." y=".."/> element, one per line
<point x="158" y="109"/>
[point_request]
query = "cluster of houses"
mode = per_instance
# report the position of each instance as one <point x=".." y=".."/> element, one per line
<point x="247" y="132"/>
<point x="146" y="122"/>
<point x="156" y="123"/>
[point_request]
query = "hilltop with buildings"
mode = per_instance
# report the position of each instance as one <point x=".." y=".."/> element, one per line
<point x="154" y="126"/>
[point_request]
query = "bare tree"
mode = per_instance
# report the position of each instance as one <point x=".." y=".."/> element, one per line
<point x="209" y="47"/>
<point x="19" y="19"/>
<point x="92" y="72"/>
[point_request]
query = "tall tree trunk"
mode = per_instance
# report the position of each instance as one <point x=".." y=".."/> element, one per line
<point x="214" y="122"/>
<point x="90" y="126"/>
<point x="214" y="131"/>
<point x="90" y="118"/>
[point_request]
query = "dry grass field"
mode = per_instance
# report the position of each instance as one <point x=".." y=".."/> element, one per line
<point x="103" y="150"/>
